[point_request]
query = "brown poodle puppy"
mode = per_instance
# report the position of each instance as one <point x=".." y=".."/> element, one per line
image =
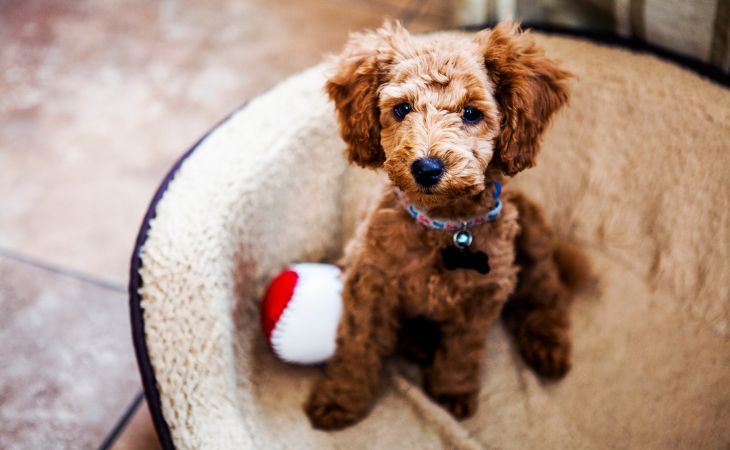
<point x="446" y="117"/>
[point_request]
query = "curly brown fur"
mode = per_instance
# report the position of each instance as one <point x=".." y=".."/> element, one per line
<point x="394" y="273"/>
<point x="537" y="314"/>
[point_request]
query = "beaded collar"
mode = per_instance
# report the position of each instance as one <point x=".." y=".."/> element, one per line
<point x="454" y="225"/>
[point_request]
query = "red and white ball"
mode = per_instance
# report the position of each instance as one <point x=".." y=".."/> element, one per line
<point x="301" y="311"/>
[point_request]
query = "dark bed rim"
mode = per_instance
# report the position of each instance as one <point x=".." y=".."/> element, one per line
<point x="147" y="374"/>
<point x="149" y="382"/>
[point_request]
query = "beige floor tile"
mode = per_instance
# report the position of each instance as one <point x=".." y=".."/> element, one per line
<point x="68" y="370"/>
<point x="426" y="24"/>
<point x="427" y="16"/>
<point x="98" y="98"/>
<point x="391" y="8"/>
<point x="440" y="8"/>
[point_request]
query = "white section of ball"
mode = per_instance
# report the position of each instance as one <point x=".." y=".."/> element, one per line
<point x="307" y="328"/>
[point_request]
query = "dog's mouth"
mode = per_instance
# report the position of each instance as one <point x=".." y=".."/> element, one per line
<point x="438" y="195"/>
<point x="453" y="184"/>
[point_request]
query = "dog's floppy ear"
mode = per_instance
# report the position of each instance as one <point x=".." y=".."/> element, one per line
<point x="529" y="88"/>
<point x="359" y="72"/>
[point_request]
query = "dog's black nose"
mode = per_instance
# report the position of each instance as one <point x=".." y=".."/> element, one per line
<point x="427" y="171"/>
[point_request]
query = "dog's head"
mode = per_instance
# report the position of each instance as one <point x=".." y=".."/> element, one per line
<point x="437" y="113"/>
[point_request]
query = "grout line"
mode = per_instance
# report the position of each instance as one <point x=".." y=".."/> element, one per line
<point x="106" y="284"/>
<point x="122" y="422"/>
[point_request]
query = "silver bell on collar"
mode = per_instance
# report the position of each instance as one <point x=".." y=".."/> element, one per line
<point x="462" y="239"/>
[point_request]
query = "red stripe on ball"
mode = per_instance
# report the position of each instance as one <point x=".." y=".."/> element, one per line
<point x="277" y="297"/>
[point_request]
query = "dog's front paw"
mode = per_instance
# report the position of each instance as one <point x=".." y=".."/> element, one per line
<point x="461" y="405"/>
<point x="332" y="408"/>
<point x="548" y="356"/>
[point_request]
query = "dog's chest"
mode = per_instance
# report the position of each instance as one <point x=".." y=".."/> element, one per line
<point x="412" y="259"/>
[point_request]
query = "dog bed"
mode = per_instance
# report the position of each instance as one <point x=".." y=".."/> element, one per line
<point x="634" y="170"/>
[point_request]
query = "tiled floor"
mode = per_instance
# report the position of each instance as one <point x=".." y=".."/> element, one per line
<point x="97" y="99"/>
<point x="68" y="367"/>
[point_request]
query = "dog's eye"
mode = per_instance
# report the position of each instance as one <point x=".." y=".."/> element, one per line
<point x="400" y="111"/>
<point x="471" y="115"/>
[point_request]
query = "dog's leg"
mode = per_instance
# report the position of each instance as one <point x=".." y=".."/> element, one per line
<point x="367" y="333"/>
<point x="453" y="380"/>
<point x="537" y="313"/>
